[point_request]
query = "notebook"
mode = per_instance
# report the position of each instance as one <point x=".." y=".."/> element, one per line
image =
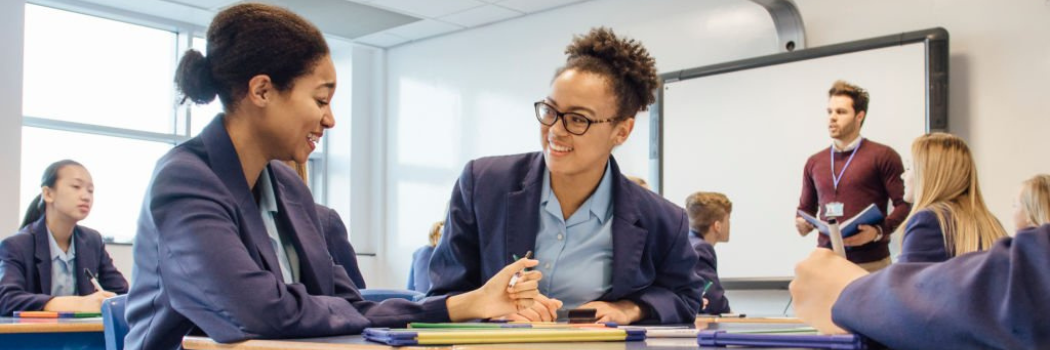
<point x="445" y="336"/>
<point x="55" y="314"/>
<point x="869" y="216"/>
<point x="795" y="338"/>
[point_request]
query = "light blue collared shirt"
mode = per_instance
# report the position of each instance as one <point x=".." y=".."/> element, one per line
<point x="286" y="253"/>
<point x="576" y="255"/>
<point x="63" y="276"/>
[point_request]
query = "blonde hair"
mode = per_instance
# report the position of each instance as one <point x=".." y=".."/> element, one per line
<point x="435" y="232"/>
<point x="704" y="208"/>
<point x="946" y="184"/>
<point x="639" y="181"/>
<point x="1035" y="198"/>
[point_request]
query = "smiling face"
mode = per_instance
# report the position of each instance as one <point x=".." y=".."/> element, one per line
<point x="843" y="122"/>
<point x="296" y="119"/>
<point x="588" y="95"/>
<point x="72" y="195"/>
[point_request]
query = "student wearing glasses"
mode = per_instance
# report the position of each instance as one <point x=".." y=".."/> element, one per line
<point x="229" y="240"/>
<point x="603" y="241"/>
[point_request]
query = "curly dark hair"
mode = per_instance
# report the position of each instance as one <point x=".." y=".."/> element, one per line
<point x="627" y="65"/>
<point x="248" y="40"/>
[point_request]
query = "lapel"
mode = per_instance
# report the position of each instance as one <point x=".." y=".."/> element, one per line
<point x="42" y="253"/>
<point x="85" y="259"/>
<point x="224" y="162"/>
<point x="523" y="212"/>
<point x="628" y="237"/>
<point x="315" y="271"/>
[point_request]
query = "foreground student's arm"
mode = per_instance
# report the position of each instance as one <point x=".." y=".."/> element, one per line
<point x="994" y="299"/>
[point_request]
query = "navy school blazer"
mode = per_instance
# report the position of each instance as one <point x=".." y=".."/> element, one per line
<point x="338" y="240"/>
<point x="994" y="299"/>
<point x="494" y="213"/>
<point x="717" y="303"/>
<point x="923" y="239"/>
<point x="203" y="259"/>
<point x="25" y="267"/>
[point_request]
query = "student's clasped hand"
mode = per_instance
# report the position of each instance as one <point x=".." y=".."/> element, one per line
<point x="819" y="280"/>
<point x="544" y="309"/>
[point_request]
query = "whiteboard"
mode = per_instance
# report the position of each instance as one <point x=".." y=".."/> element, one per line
<point x="748" y="133"/>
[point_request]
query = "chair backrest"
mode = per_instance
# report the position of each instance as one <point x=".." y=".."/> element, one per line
<point x="114" y="323"/>
<point x="378" y="294"/>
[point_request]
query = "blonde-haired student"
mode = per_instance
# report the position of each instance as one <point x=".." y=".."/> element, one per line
<point x="1033" y="203"/>
<point x="948" y="217"/>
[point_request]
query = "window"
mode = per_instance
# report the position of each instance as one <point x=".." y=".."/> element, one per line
<point x="101" y="92"/>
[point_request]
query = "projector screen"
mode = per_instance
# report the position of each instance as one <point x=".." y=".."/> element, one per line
<point x="747" y="128"/>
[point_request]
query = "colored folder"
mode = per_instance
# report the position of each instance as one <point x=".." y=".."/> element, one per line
<point x="869" y="216"/>
<point x="721" y="338"/>
<point x="439" y="336"/>
<point x="55" y="314"/>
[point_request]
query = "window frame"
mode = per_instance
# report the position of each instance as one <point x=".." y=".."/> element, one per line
<point x="181" y="116"/>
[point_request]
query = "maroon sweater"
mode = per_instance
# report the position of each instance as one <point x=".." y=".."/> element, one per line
<point x="874" y="176"/>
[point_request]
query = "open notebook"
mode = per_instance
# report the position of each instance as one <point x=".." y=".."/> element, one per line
<point x="869" y="216"/>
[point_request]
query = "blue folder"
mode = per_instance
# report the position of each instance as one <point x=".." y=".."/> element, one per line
<point x="869" y="216"/>
<point x="721" y="338"/>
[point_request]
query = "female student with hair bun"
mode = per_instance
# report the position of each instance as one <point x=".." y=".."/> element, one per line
<point x="949" y="217"/>
<point x="229" y="242"/>
<point x="42" y="267"/>
<point x="605" y="242"/>
<point x="1032" y="207"/>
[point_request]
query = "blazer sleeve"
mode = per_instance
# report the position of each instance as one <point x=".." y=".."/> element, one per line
<point x="15" y="295"/>
<point x="998" y="299"/>
<point x="716" y="299"/>
<point x="394" y="312"/>
<point x="339" y="246"/>
<point x="455" y="266"/>
<point x="674" y="296"/>
<point x="923" y="239"/>
<point x="108" y="276"/>
<point x="211" y="278"/>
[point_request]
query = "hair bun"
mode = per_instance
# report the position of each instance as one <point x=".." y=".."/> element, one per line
<point x="193" y="78"/>
<point x="627" y="62"/>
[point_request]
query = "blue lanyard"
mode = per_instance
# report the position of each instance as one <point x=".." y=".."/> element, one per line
<point x="835" y="180"/>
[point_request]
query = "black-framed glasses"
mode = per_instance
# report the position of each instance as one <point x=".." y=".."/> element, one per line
<point x="575" y="124"/>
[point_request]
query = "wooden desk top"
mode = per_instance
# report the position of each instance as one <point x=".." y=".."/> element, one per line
<point x="65" y="325"/>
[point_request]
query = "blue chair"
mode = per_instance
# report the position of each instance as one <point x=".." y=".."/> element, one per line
<point x="115" y="326"/>
<point x="379" y="294"/>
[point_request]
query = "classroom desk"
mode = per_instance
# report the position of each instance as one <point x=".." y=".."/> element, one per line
<point x="16" y="333"/>
<point x="357" y="342"/>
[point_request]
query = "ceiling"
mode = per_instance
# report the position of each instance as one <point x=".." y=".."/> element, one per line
<point x="380" y="23"/>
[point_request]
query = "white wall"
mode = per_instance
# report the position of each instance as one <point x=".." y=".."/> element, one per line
<point x="1000" y="60"/>
<point x="12" y="31"/>
<point x="470" y="94"/>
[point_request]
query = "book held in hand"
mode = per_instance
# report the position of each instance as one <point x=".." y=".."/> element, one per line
<point x="869" y="216"/>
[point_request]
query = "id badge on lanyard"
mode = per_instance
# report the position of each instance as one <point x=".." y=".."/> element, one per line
<point x="836" y="209"/>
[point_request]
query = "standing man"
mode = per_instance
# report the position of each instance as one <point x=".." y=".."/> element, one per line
<point x="850" y="175"/>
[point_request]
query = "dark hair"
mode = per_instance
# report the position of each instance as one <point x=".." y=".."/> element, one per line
<point x="856" y="93"/>
<point x="244" y="41"/>
<point x="626" y="64"/>
<point x="704" y="208"/>
<point x="50" y="177"/>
